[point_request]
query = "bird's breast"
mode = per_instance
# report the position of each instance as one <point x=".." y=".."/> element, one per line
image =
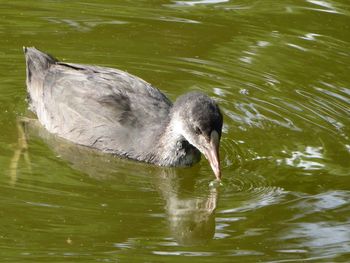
<point x="186" y="154"/>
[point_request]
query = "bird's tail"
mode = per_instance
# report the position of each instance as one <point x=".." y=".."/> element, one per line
<point x="37" y="64"/>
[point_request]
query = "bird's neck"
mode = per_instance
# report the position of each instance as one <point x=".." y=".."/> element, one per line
<point x="173" y="149"/>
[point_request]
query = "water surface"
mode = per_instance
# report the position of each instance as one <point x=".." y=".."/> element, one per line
<point x="280" y="72"/>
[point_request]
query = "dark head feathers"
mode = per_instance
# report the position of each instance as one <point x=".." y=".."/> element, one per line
<point x="201" y="111"/>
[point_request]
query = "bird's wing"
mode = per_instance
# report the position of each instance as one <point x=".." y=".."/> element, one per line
<point x="103" y="108"/>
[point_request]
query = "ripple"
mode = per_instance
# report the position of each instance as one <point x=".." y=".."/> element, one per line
<point x="323" y="239"/>
<point x="199" y="2"/>
<point x="320" y="203"/>
<point x="326" y="6"/>
<point x="84" y="25"/>
<point x="231" y="152"/>
<point x="241" y="196"/>
<point x="309" y="159"/>
<point x="250" y="193"/>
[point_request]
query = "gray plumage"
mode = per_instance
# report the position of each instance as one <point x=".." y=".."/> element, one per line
<point x="116" y="112"/>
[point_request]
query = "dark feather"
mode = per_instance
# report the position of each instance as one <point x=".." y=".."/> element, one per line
<point x="100" y="107"/>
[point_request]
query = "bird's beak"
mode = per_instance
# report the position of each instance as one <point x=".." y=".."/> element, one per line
<point x="212" y="154"/>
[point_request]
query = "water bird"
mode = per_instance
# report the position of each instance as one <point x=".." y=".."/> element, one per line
<point x="118" y="113"/>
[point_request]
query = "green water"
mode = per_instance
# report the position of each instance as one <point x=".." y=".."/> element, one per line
<point x="281" y="73"/>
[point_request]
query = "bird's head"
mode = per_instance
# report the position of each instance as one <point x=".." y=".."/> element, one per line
<point x="199" y="121"/>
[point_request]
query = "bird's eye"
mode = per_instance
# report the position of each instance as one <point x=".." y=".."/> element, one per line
<point x="197" y="130"/>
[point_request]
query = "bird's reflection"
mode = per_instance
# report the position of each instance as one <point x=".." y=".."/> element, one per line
<point x="191" y="215"/>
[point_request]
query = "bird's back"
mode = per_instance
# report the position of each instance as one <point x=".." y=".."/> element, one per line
<point x="99" y="107"/>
